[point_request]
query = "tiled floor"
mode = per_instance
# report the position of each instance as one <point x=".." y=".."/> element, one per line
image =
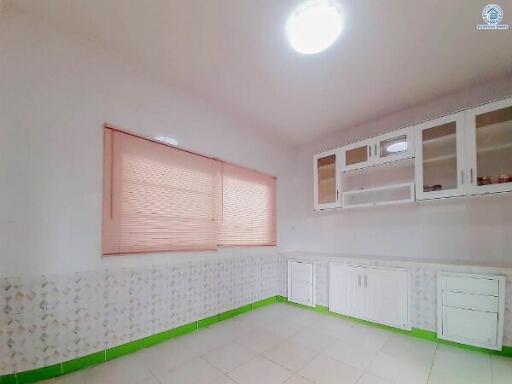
<point x="285" y="344"/>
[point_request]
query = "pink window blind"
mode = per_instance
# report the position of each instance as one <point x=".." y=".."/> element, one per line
<point x="158" y="198"/>
<point x="248" y="207"/>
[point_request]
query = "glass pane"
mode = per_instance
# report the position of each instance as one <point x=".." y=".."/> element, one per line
<point x="440" y="157"/>
<point x="494" y="147"/>
<point x="326" y="167"/>
<point x="356" y="155"/>
<point x="393" y="146"/>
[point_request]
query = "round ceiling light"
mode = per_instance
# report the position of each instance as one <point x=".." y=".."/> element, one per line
<point x="314" y="26"/>
<point x="399" y="146"/>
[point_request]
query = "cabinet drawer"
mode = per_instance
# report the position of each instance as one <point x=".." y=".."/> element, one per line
<point x="474" y="285"/>
<point x="470" y="301"/>
<point x="470" y="326"/>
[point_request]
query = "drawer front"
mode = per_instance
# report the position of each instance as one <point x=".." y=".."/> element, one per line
<point x="470" y="326"/>
<point x="474" y="285"/>
<point x="469" y="301"/>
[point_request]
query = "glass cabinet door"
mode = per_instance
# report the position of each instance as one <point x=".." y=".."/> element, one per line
<point x="490" y="147"/>
<point x="396" y="145"/>
<point x="440" y="158"/>
<point x="358" y="155"/>
<point x="326" y="180"/>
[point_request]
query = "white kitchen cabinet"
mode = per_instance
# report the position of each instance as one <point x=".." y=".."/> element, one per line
<point x="301" y="282"/>
<point x="489" y="147"/>
<point x="358" y="155"/>
<point x="440" y="158"/>
<point x="471" y="309"/>
<point x="327" y="179"/>
<point x="393" y="146"/>
<point x="371" y="293"/>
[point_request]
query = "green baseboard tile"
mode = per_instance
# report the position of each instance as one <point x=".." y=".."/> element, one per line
<point x="157" y="339"/>
<point x="8" y="379"/>
<point x="184" y="329"/>
<point x="264" y="302"/>
<point x="506" y="351"/>
<point x="35" y="375"/>
<point x="321" y="308"/>
<point x="206" y="322"/>
<point x="83" y="362"/>
<point x="124" y="349"/>
<point x="235" y="312"/>
<point x="281" y="299"/>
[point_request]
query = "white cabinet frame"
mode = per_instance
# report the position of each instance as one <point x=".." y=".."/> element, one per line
<point x="370" y="152"/>
<point x="313" y="280"/>
<point x="472" y="171"/>
<point x="337" y="203"/>
<point x="460" y="190"/>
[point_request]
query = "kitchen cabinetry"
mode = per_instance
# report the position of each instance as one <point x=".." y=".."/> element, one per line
<point x="471" y="309"/>
<point x="440" y="156"/>
<point x="370" y="293"/>
<point x="326" y="176"/>
<point x="301" y="282"/>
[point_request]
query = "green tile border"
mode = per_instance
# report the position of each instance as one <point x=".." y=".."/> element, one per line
<point x="83" y="362"/>
<point x="8" y="379"/>
<point x="157" y="339"/>
<point x="208" y="321"/>
<point x="35" y="375"/>
<point x="133" y="346"/>
<point x="124" y="349"/>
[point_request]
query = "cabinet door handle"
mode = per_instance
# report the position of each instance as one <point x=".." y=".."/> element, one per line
<point x="370" y="151"/>
<point x="375" y="152"/>
<point x="337" y="195"/>
<point x="471" y="175"/>
<point x="365" y="281"/>
<point x="462" y="177"/>
<point x="359" y="280"/>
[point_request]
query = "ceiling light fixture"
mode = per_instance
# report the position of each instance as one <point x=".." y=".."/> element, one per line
<point x="314" y="26"/>
<point x="399" y="146"/>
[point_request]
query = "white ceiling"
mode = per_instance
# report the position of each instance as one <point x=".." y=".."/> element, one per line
<point x="391" y="55"/>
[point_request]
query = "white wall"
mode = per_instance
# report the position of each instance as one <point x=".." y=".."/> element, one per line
<point x="467" y="229"/>
<point x="56" y="92"/>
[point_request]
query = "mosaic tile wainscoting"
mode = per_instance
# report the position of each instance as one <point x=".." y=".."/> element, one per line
<point x="50" y="319"/>
<point x="423" y="284"/>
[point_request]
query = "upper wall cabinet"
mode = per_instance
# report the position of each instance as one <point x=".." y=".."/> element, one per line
<point x="392" y="146"/>
<point x="489" y="139"/>
<point x="326" y="176"/>
<point x="440" y="157"/>
<point x="358" y="155"/>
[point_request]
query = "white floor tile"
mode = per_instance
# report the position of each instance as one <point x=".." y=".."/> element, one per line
<point x="196" y="371"/>
<point x="351" y="354"/>
<point x="283" y="328"/>
<point x="333" y="326"/>
<point x="398" y="370"/>
<point x="125" y="370"/>
<point x="368" y="378"/>
<point x="228" y="357"/>
<point x="291" y="355"/>
<point x="260" y="371"/>
<point x="313" y="338"/>
<point x="260" y="340"/>
<point x="298" y="380"/>
<point x="366" y="336"/>
<point x="73" y="378"/>
<point x="456" y="365"/>
<point x="223" y="380"/>
<point x="409" y="348"/>
<point x="325" y="370"/>
<point x="501" y="370"/>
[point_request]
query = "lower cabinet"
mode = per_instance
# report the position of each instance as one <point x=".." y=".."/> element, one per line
<point x="371" y="293"/>
<point x="471" y="309"/>
<point x="301" y="278"/>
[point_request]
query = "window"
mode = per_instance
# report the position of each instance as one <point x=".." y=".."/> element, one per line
<point x="160" y="198"/>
